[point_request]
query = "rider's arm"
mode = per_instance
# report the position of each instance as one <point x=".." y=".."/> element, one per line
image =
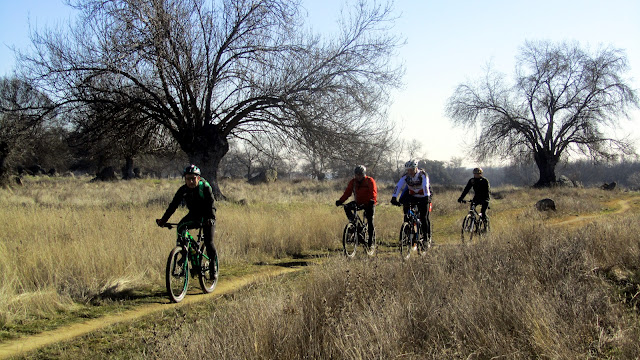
<point x="374" y="191"/>
<point x="210" y="210"/>
<point x="466" y="188"/>
<point x="173" y="205"/>
<point x="488" y="189"/>
<point x="426" y="187"/>
<point x="347" y="192"/>
<point x="399" y="187"/>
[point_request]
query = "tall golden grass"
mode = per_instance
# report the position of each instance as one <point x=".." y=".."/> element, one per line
<point x="530" y="290"/>
<point x="67" y="240"/>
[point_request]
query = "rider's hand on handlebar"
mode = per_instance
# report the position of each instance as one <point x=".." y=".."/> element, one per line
<point x="338" y="202"/>
<point x="461" y="200"/>
<point x="394" y="201"/>
<point x="160" y="222"/>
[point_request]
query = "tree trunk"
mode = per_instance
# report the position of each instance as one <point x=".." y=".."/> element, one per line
<point x="206" y="152"/>
<point x="127" y="170"/>
<point x="547" y="166"/>
<point x="4" y="153"/>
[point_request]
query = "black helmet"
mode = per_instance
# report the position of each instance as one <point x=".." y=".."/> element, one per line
<point x="477" y="171"/>
<point x="360" y="170"/>
<point x="191" y="169"/>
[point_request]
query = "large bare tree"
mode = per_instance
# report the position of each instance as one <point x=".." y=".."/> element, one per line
<point x="563" y="99"/>
<point x="206" y="71"/>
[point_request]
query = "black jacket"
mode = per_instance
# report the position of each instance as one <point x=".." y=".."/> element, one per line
<point x="481" y="189"/>
<point x="199" y="201"/>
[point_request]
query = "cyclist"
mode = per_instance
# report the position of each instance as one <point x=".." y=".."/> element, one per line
<point x="365" y="193"/>
<point x="197" y="194"/>
<point x="481" y="189"/>
<point x="414" y="188"/>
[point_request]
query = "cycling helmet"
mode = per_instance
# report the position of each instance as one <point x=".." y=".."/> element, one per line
<point x="191" y="169"/>
<point x="477" y="171"/>
<point x="411" y="164"/>
<point x="360" y="170"/>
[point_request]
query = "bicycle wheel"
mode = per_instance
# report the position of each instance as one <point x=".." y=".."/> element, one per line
<point x="349" y="240"/>
<point x="405" y="240"/>
<point x="177" y="275"/>
<point x="467" y="228"/>
<point x="208" y="275"/>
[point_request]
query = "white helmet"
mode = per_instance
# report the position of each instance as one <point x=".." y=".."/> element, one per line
<point x="411" y="164"/>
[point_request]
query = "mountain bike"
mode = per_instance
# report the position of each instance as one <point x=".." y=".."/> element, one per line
<point x="189" y="258"/>
<point x="357" y="231"/>
<point x="411" y="236"/>
<point x="473" y="223"/>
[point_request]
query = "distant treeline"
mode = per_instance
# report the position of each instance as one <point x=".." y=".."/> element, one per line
<point x="582" y="173"/>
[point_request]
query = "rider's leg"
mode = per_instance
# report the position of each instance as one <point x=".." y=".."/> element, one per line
<point x="209" y="231"/>
<point x="483" y="209"/>
<point x="405" y="200"/>
<point x="350" y="209"/>
<point x="423" y="208"/>
<point x="369" y="213"/>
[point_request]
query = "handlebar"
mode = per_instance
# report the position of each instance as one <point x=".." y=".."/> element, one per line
<point x="358" y="207"/>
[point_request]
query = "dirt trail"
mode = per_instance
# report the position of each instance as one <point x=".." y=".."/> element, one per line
<point x="225" y="286"/>
<point x="623" y="207"/>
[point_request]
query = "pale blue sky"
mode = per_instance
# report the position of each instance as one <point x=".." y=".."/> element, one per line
<point x="448" y="42"/>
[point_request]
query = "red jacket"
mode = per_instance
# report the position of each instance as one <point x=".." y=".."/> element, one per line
<point x="364" y="192"/>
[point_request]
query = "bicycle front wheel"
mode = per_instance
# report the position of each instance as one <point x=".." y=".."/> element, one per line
<point x="349" y="240"/>
<point x="177" y="274"/>
<point x="467" y="228"/>
<point x="208" y="275"/>
<point x="405" y="241"/>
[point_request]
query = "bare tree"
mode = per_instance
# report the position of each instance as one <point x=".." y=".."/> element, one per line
<point x="562" y="100"/>
<point x="206" y="71"/>
<point x="25" y="113"/>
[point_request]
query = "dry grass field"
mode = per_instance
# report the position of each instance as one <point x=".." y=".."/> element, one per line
<point x="560" y="285"/>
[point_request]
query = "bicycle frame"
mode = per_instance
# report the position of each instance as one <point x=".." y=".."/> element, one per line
<point x="473" y="223"/>
<point x="188" y="258"/>
<point x="411" y="234"/>
<point x="413" y="218"/>
<point x="191" y="245"/>
<point x="356" y="231"/>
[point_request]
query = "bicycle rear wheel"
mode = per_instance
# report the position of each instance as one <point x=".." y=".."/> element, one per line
<point x="467" y="228"/>
<point x="405" y="240"/>
<point x="208" y="275"/>
<point x="177" y="275"/>
<point x="349" y="240"/>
